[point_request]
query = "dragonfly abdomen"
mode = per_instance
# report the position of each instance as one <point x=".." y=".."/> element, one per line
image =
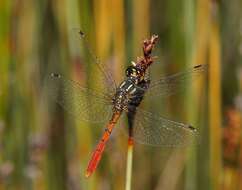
<point x="96" y="156"/>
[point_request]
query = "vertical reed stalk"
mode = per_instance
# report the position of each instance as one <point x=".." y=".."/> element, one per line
<point x="215" y="101"/>
<point x="129" y="164"/>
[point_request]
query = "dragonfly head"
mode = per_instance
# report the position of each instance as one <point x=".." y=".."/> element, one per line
<point x="134" y="72"/>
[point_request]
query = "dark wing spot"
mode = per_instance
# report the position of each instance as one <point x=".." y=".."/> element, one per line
<point x="197" y="66"/>
<point x="81" y="33"/>
<point x="55" y="75"/>
<point x="192" y="128"/>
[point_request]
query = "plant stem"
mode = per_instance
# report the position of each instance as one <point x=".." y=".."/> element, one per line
<point x="129" y="164"/>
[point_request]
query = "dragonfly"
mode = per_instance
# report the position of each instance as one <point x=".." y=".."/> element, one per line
<point x="108" y="102"/>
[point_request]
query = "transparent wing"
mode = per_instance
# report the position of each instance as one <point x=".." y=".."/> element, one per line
<point x="82" y="102"/>
<point x="172" y="84"/>
<point x="153" y="130"/>
<point x="104" y="81"/>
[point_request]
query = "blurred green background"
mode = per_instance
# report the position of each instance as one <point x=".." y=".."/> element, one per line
<point x="44" y="149"/>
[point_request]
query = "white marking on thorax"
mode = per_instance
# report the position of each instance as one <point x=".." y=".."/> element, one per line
<point x="130" y="86"/>
<point x="123" y="83"/>
<point x="133" y="91"/>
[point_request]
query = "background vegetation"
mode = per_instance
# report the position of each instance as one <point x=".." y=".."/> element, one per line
<point x="41" y="147"/>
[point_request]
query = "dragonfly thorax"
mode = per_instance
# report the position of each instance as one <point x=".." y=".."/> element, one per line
<point x="123" y="93"/>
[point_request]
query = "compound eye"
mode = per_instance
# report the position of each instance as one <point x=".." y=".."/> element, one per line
<point x="130" y="71"/>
